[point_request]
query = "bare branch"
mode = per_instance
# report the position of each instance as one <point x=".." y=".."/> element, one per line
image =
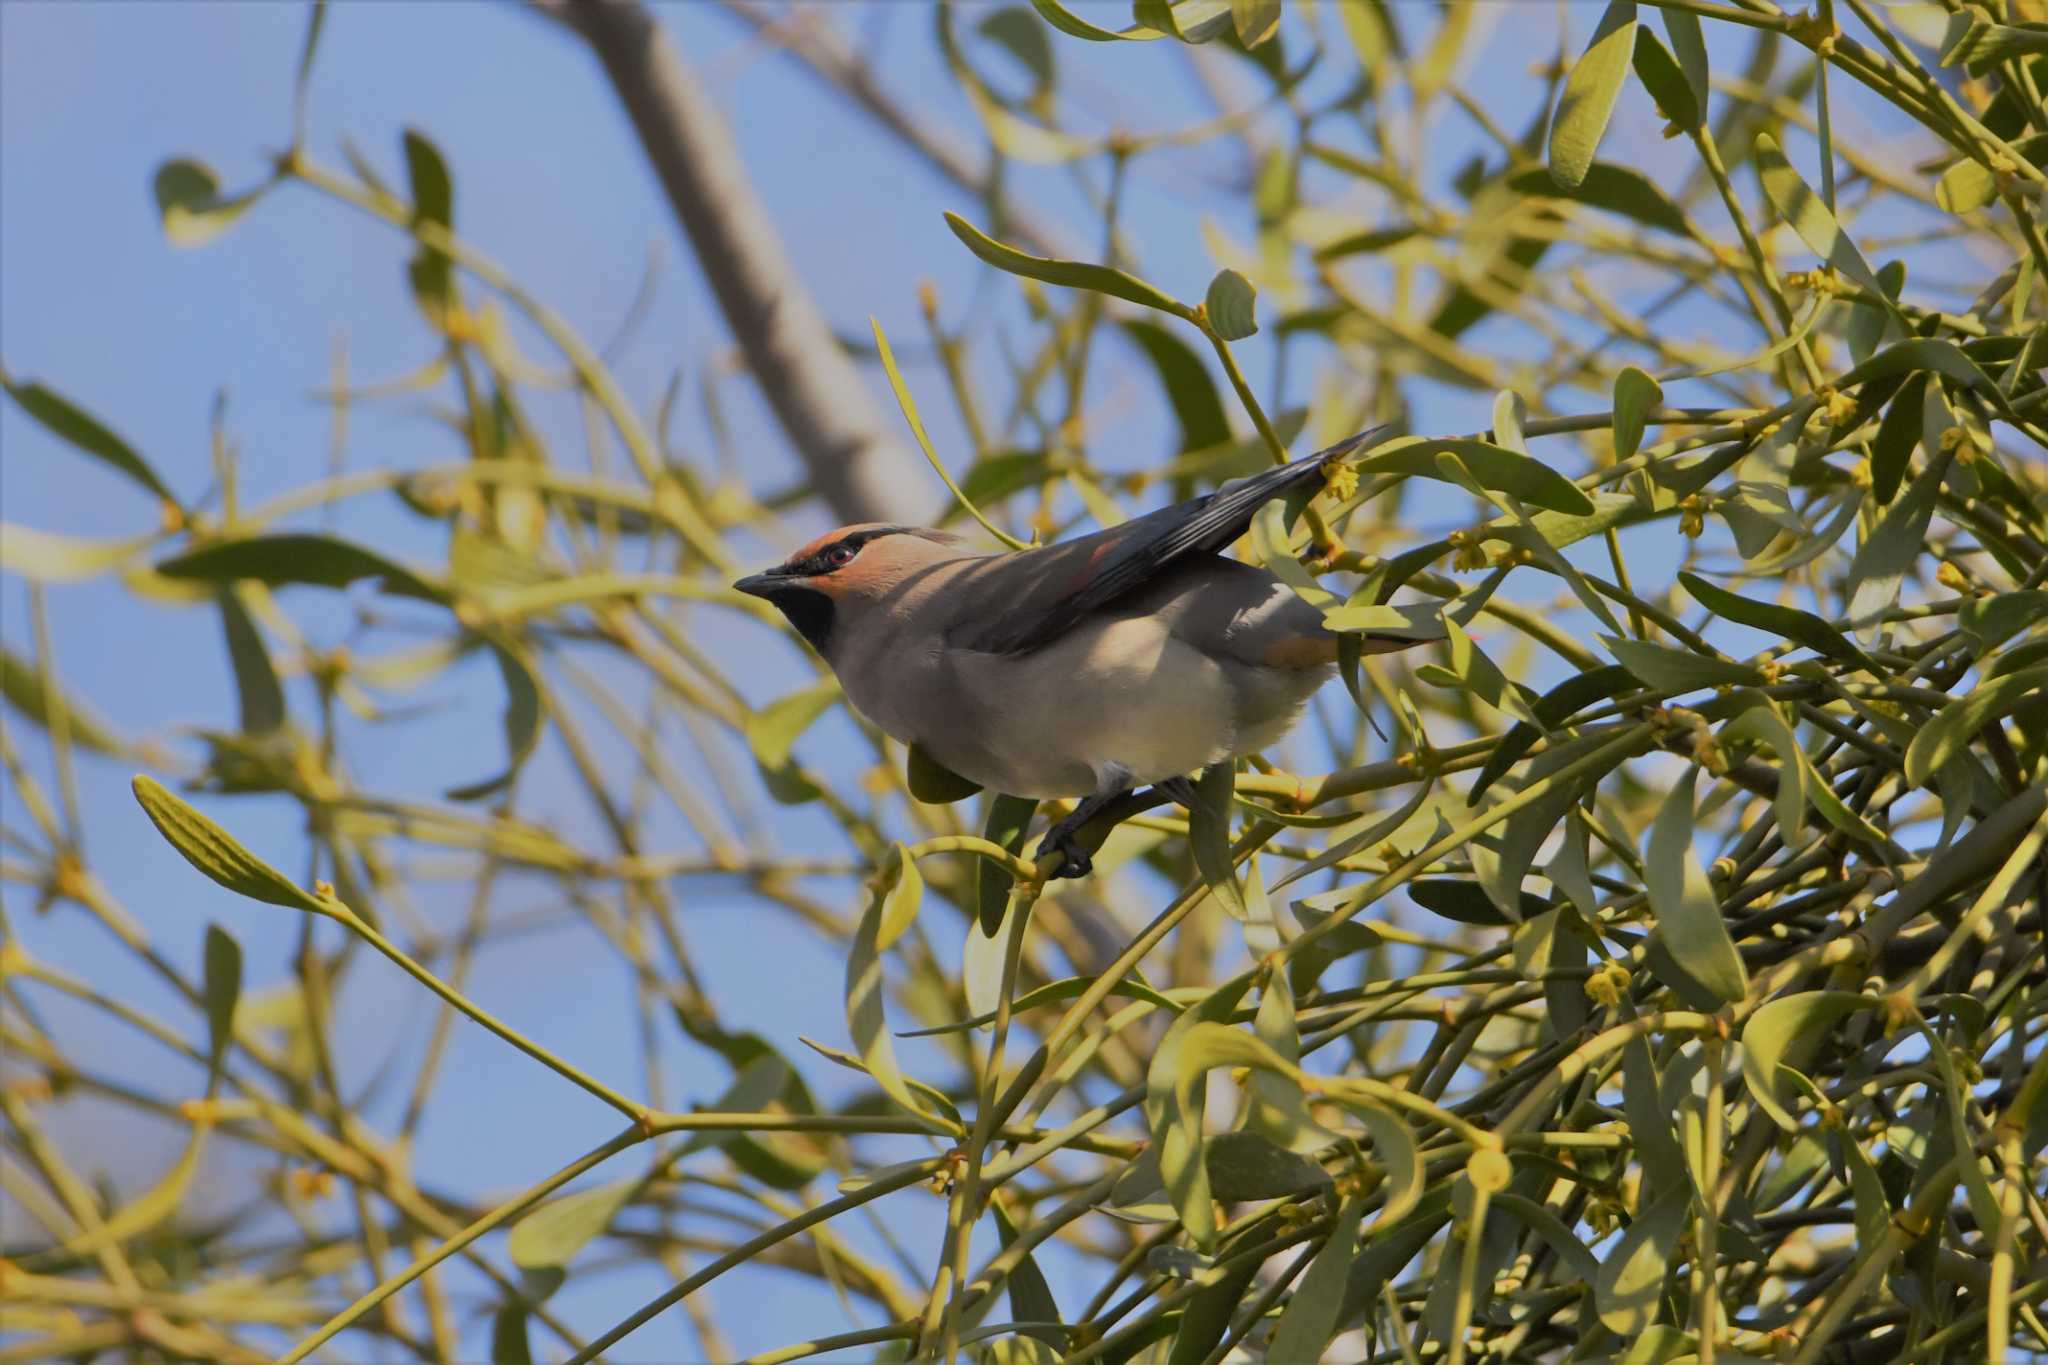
<point x="814" y="388"/>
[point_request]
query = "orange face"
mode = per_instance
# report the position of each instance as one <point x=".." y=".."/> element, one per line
<point x="841" y="564"/>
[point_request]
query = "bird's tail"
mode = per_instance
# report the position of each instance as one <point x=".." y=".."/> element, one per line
<point x="1255" y="490"/>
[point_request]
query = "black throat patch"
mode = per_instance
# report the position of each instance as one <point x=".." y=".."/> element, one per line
<point x="809" y="610"/>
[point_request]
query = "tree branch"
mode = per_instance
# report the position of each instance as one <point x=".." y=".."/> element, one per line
<point x="811" y="384"/>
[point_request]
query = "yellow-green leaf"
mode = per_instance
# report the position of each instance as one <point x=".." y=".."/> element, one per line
<point x="1311" y="1316"/>
<point x="1956" y="725"/>
<point x="1636" y="395"/>
<point x="1230" y="306"/>
<point x="1708" y="970"/>
<point x="1101" y="279"/>
<point x="188" y="199"/>
<point x="1809" y="216"/>
<point x="1589" y="94"/>
<point x="216" y="853"/>
<point x="69" y="422"/>
<point x="1785" y="1032"/>
<point x="1631" y="1279"/>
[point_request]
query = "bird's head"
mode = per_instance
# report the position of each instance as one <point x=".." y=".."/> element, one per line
<point x="838" y="578"/>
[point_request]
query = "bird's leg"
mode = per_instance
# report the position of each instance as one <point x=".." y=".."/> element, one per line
<point x="1180" y="790"/>
<point x="1061" y="837"/>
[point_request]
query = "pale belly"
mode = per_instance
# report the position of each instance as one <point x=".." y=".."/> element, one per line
<point x="1123" y="704"/>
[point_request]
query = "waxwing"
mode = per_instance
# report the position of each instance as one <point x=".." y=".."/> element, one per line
<point x="1138" y="655"/>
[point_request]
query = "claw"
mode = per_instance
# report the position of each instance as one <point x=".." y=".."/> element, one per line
<point x="1073" y="862"/>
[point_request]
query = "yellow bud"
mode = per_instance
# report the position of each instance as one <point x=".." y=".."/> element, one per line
<point x="1952" y="578"/>
<point x="1341" y="480"/>
<point x="1692" y="516"/>
<point x="1840" y="406"/>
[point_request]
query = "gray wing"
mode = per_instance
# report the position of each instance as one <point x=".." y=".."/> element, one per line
<point x="1057" y="587"/>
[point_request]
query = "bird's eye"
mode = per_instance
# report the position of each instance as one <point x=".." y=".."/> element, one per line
<point x="841" y="554"/>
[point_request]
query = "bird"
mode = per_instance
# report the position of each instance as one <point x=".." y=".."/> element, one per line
<point x="1137" y="656"/>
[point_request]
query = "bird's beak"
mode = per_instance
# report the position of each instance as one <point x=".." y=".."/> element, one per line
<point x="758" y="584"/>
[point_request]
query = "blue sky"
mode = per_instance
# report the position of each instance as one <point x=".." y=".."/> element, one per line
<point x="550" y="182"/>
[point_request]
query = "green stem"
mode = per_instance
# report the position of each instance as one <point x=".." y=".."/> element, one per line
<point x="501" y="1214"/>
<point x="748" y="1250"/>
<point x="632" y="1109"/>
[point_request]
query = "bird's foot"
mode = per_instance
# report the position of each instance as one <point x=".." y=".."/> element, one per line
<point x="1181" y="790"/>
<point x="1063" y="839"/>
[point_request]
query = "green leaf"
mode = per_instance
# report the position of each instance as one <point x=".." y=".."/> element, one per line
<point x="1649" y="1123"/>
<point x="1991" y="621"/>
<point x="1008" y="819"/>
<point x="216" y="853"/>
<point x="1071" y="24"/>
<point x="549" y="1237"/>
<point x="1229" y="306"/>
<point x="46" y="557"/>
<point x="1395" y="1148"/>
<point x="262" y="698"/>
<point x="1690" y="47"/>
<point x="1762" y="723"/>
<point x="1969" y="185"/>
<point x="1369" y="242"/>
<point x="1677" y="670"/>
<point x="1709" y="972"/>
<point x="1421" y="622"/>
<point x="1979" y="44"/>
<point x="1212" y="1307"/>
<point x="1245" y="1167"/>
<point x="1031" y="1297"/>
<point x="1785" y="1032"/>
<point x="1636" y="396"/>
<point x="189" y="202"/>
<point x="890" y="911"/>
<point x="295" y="558"/>
<point x="1631" y="1279"/>
<point x="1955" y="1105"/>
<point x="1311" y="1316"/>
<point x="68" y="422"/>
<point x="1927" y="353"/>
<point x="1188" y="384"/>
<point x="1589" y="95"/>
<point x="1073" y="274"/>
<point x="1547" y="1225"/>
<point x="1174" y="1091"/>
<point x="1955" y="726"/>
<point x="1810" y="217"/>
<point x="522" y="721"/>
<point x="1787" y="623"/>
<point x="1556" y="706"/>
<point x="1209" y="836"/>
<point x="21" y="682"/>
<point x="772" y="732"/>
<point x="932" y="782"/>
<point x="1191" y="21"/>
<point x="1898" y="435"/>
<point x="1617" y="189"/>
<point x="1255" y="20"/>
<point x="223" y="989"/>
<point x="433" y="201"/>
<point x="1666" y="80"/>
<point x="301" y="81"/>
<point x="1468" y="903"/>
<point x="1495" y="467"/>
<point x="1019" y="34"/>
<point x="1891" y="548"/>
<point x="993" y="478"/>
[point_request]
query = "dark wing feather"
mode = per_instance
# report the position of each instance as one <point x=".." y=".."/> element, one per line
<point x="1079" y="578"/>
